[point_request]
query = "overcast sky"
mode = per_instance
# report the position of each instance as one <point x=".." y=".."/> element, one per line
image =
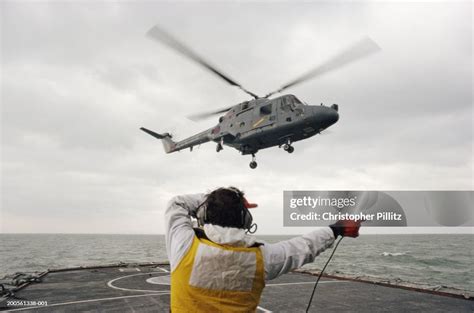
<point x="79" y="79"/>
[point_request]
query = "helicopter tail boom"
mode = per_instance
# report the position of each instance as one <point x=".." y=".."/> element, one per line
<point x="168" y="144"/>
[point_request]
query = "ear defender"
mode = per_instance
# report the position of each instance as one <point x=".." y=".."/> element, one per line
<point x="201" y="213"/>
<point x="248" y="221"/>
<point x="246" y="216"/>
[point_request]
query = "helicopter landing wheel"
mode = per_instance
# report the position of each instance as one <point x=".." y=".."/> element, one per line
<point x="253" y="164"/>
<point x="288" y="148"/>
<point x="219" y="147"/>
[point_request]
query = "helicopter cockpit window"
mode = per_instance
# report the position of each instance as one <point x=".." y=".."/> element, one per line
<point x="299" y="110"/>
<point x="285" y="104"/>
<point x="295" y="100"/>
<point x="295" y="105"/>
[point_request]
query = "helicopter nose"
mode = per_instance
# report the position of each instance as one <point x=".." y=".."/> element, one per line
<point x="324" y="116"/>
<point x="332" y="116"/>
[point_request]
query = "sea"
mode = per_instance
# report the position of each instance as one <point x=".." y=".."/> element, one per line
<point x="430" y="260"/>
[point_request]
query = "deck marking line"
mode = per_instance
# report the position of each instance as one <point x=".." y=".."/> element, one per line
<point x="110" y="283"/>
<point x="263" y="309"/>
<point x="163" y="269"/>
<point x="125" y="270"/>
<point x="160" y="280"/>
<point x="91" y="300"/>
<point x="307" y="282"/>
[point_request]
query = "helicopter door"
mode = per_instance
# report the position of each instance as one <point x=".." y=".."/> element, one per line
<point x="264" y="116"/>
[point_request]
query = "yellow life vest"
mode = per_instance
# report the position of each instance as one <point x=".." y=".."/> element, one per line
<point x="216" y="278"/>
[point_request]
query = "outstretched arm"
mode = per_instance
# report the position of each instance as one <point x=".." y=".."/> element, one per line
<point x="179" y="227"/>
<point x="284" y="256"/>
<point x="287" y="255"/>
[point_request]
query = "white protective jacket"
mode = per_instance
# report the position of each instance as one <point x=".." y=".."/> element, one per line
<point x="279" y="258"/>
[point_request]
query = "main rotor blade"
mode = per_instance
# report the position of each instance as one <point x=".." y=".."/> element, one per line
<point x="359" y="50"/>
<point x="201" y="116"/>
<point x="163" y="37"/>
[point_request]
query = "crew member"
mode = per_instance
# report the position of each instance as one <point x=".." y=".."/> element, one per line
<point x="219" y="267"/>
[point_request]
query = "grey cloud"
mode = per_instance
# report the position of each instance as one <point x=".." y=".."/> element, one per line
<point x="80" y="79"/>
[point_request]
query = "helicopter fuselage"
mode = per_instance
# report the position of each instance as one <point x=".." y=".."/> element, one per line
<point x="258" y="124"/>
<point x="262" y="123"/>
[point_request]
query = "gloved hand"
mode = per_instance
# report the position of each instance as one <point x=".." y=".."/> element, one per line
<point x="346" y="228"/>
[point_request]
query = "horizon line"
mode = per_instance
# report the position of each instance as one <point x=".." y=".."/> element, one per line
<point x="263" y="234"/>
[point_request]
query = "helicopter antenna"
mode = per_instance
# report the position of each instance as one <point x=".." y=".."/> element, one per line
<point x="158" y="34"/>
<point x="358" y="50"/>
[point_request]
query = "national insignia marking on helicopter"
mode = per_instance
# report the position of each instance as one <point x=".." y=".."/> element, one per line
<point x="262" y="122"/>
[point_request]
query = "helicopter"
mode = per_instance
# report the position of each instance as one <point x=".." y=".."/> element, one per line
<point x="261" y="122"/>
